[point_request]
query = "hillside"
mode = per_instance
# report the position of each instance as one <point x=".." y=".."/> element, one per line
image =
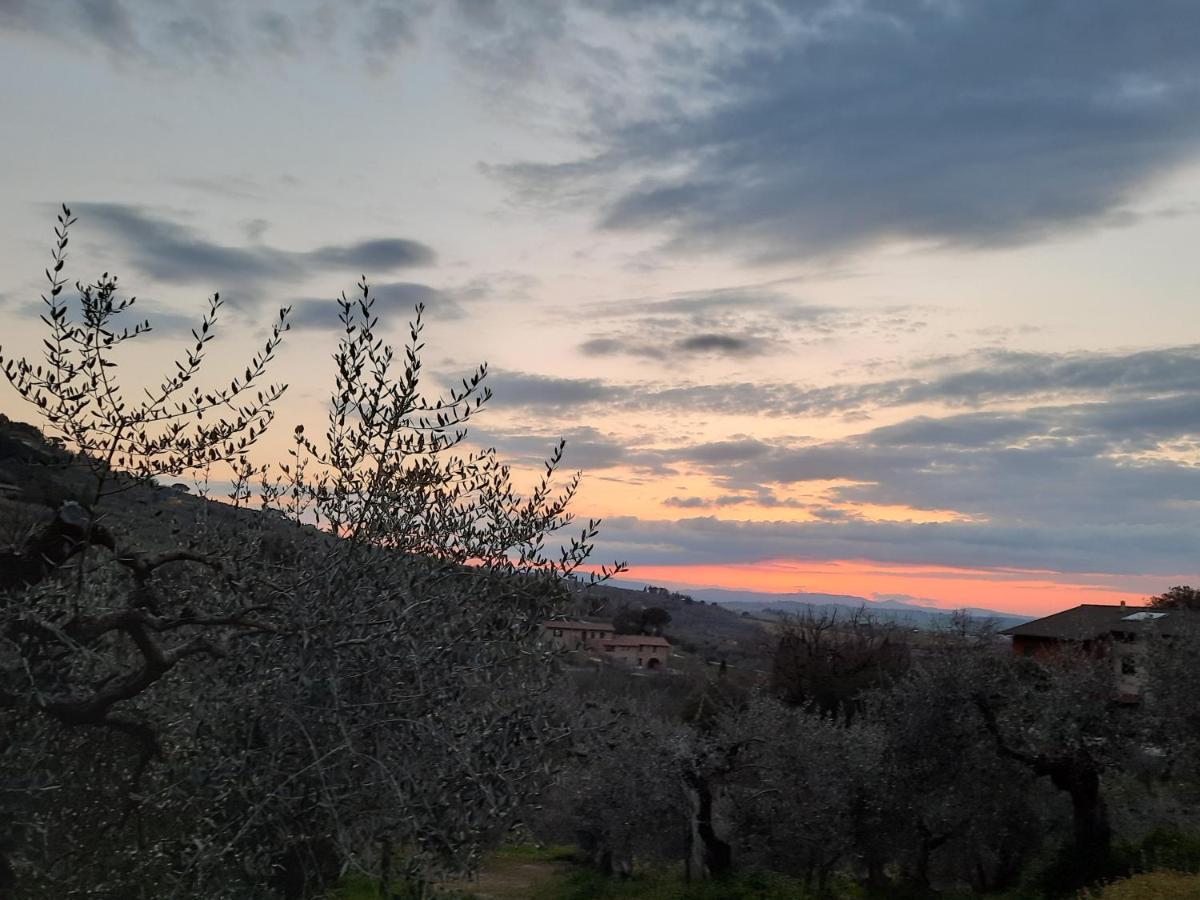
<point x="709" y="630"/>
<point x="768" y="606"/>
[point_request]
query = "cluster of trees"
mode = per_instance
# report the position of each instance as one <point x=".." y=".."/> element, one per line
<point x="646" y="620"/>
<point x="907" y="763"/>
<point x="1181" y="596"/>
<point x="335" y="669"/>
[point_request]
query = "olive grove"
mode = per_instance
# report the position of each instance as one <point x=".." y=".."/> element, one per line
<point x="333" y="670"/>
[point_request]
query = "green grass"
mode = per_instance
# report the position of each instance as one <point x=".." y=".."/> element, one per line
<point x="662" y="884"/>
<point x="578" y="882"/>
<point x="532" y="853"/>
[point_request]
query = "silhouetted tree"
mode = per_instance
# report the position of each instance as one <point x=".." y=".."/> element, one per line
<point x="1059" y="718"/>
<point x="825" y="661"/>
<point x="655" y="619"/>
<point x="1181" y="596"/>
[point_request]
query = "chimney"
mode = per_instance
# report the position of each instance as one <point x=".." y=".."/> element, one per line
<point x="1122" y="602"/>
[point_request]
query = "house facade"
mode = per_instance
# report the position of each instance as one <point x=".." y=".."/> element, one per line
<point x="640" y="650"/>
<point x="1118" y="633"/>
<point x="575" y="634"/>
<point x="637" y="650"/>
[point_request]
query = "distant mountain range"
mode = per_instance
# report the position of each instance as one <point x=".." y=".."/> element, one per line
<point x="759" y="603"/>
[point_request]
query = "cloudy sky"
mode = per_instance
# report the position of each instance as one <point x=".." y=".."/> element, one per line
<point x="891" y="298"/>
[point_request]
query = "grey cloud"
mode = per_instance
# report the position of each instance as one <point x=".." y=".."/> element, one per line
<point x="1056" y="474"/>
<point x="1078" y="484"/>
<point x="842" y="125"/>
<point x="767" y="299"/>
<point x="1004" y="375"/>
<point x="972" y="429"/>
<point x="171" y="252"/>
<point x="390" y="27"/>
<point x="742" y="450"/>
<point x="688" y="502"/>
<point x="587" y="448"/>
<point x="179" y="35"/>
<point x="254" y="229"/>
<point x="693" y="345"/>
<point x="604" y="347"/>
<point x="380" y="255"/>
<point x="108" y="20"/>
<point x="1147" y="389"/>
<point x="1140" y="421"/>
<point x="720" y="344"/>
<point x="279" y="33"/>
<point x="1079" y="547"/>
<point x="736" y="323"/>
<point x="395" y="303"/>
<point x="762" y="498"/>
<point x="545" y="392"/>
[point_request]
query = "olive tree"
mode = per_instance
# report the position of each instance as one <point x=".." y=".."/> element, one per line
<point x="87" y="631"/>
<point x="619" y="798"/>
<point x="958" y="810"/>
<point x="1059" y="718"/>
<point x="805" y="791"/>
<point x="416" y="722"/>
<point x="336" y="668"/>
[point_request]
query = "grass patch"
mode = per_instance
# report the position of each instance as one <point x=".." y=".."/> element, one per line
<point x="663" y="884"/>
<point x="532" y="853"/>
<point x="502" y="875"/>
<point x="1150" y="886"/>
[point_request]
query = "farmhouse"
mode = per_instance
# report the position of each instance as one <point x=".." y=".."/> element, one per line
<point x="1121" y="633"/>
<point x="575" y="634"/>
<point x="639" y="650"/>
<point x="643" y="651"/>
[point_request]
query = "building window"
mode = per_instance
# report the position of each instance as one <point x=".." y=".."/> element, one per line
<point x="558" y="632"/>
<point x="1128" y="666"/>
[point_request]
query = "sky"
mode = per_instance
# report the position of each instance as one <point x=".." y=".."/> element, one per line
<point x="893" y="298"/>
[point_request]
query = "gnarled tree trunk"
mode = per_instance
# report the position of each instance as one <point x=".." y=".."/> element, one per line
<point x="709" y="854"/>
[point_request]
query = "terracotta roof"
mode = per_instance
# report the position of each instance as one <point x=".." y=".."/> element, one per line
<point x="1090" y="621"/>
<point x="635" y="640"/>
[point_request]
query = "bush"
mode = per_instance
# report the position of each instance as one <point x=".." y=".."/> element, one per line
<point x="1172" y="849"/>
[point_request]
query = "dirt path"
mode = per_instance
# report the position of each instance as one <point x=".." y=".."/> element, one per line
<point x="509" y="879"/>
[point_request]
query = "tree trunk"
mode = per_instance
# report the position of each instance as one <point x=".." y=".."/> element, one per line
<point x="709" y="855"/>
<point x="385" y="866"/>
<point x="1092" y="833"/>
<point x="877" y="879"/>
<point x="8" y="878"/>
<point x="930" y="843"/>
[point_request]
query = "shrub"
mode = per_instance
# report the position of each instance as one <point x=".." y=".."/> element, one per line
<point x="1172" y="849"/>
